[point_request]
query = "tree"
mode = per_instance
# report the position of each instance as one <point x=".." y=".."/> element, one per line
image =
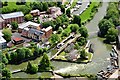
<point x="13" y="56"/>
<point x="6" y="73"/>
<point x="36" y="51"/>
<point x="65" y="33"/>
<point x="47" y="24"/>
<point x="28" y="52"/>
<point x="81" y="41"/>
<point x="62" y="8"/>
<point x="54" y="38"/>
<point x="14" y="25"/>
<point x="45" y="64"/>
<point x="20" y="54"/>
<point x="104" y="25"/>
<point x="28" y="17"/>
<point x="25" y="9"/>
<point x="45" y="6"/>
<point x="83" y="31"/>
<point x="115" y="20"/>
<point x="32" y="68"/>
<point x="68" y="12"/>
<point x="60" y="30"/>
<point x="40" y="51"/>
<point x="74" y="27"/>
<point x="111" y="35"/>
<point x="77" y="20"/>
<point x="83" y="54"/>
<point x="4" y="59"/>
<point x="7" y="34"/>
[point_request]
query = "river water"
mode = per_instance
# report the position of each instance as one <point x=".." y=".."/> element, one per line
<point x="100" y="58"/>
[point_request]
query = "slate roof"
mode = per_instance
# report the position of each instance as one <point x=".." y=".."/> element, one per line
<point x="12" y="15"/>
<point x="36" y="32"/>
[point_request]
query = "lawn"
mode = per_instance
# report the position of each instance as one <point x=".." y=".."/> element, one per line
<point x="12" y="4"/>
<point x="87" y="13"/>
<point x="73" y="4"/>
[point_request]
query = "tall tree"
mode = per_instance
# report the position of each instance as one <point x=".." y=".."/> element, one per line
<point x="111" y="35"/>
<point x="83" y="31"/>
<point x="7" y="34"/>
<point x="68" y="12"/>
<point x="104" y="25"/>
<point x="14" y="25"/>
<point x="77" y="20"/>
<point x="6" y="73"/>
<point x="45" y="64"/>
<point x="32" y="68"/>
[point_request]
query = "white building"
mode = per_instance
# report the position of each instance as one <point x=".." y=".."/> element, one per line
<point x="3" y="43"/>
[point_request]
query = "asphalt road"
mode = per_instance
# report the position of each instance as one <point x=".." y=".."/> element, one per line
<point x="82" y="8"/>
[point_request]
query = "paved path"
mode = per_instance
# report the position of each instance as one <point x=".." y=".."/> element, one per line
<point x="114" y="75"/>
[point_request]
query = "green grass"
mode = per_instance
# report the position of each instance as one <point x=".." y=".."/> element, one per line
<point x="87" y="13"/>
<point x="74" y="3"/>
<point x="12" y="4"/>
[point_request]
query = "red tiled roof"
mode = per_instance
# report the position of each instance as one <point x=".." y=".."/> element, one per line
<point x="17" y="39"/>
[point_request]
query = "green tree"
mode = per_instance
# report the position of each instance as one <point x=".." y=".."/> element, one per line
<point x="36" y="51"/>
<point x="77" y="20"/>
<point x="47" y="24"/>
<point x="81" y="41"/>
<point x="7" y="34"/>
<point x="74" y="27"/>
<point x="45" y="64"/>
<point x="111" y="35"/>
<point x="40" y="51"/>
<point x="4" y="59"/>
<point x="54" y="38"/>
<point x="60" y="30"/>
<point x="68" y="12"/>
<point x="83" y="31"/>
<point x="28" y="17"/>
<point x="104" y="25"/>
<point x="14" y="25"/>
<point x="13" y="56"/>
<point x="83" y="54"/>
<point x="45" y="6"/>
<point x="6" y="73"/>
<point x="20" y="54"/>
<point x="115" y="20"/>
<point x="32" y="68"/>
<point x="62" y="8"/>
<point x="28" y="52"/>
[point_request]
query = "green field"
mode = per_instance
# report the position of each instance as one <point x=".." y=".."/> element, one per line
<point x="87" y="13"/>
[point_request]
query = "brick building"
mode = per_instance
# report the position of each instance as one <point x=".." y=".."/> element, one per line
<point x="48" y="31"/>
<point x="11" y="17"/>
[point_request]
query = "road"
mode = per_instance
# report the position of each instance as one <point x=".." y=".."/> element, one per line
<point x="82" y="8"/>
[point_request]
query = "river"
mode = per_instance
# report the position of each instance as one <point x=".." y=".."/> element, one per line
<point x="100" y="58"/>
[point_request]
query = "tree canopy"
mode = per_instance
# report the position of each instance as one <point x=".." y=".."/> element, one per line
<point x="7" y="34"/>
<point x="83" y="31"/>
<point x="111" y="35"/>
<point x="14" y="25"/>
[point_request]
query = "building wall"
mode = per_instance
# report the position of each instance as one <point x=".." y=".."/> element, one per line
<point x="48" y="33"/>
<point x="8" y="21"/>
<point x="3" y="45"/>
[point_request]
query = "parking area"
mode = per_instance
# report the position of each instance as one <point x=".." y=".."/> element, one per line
<point x="19" y="35"/>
